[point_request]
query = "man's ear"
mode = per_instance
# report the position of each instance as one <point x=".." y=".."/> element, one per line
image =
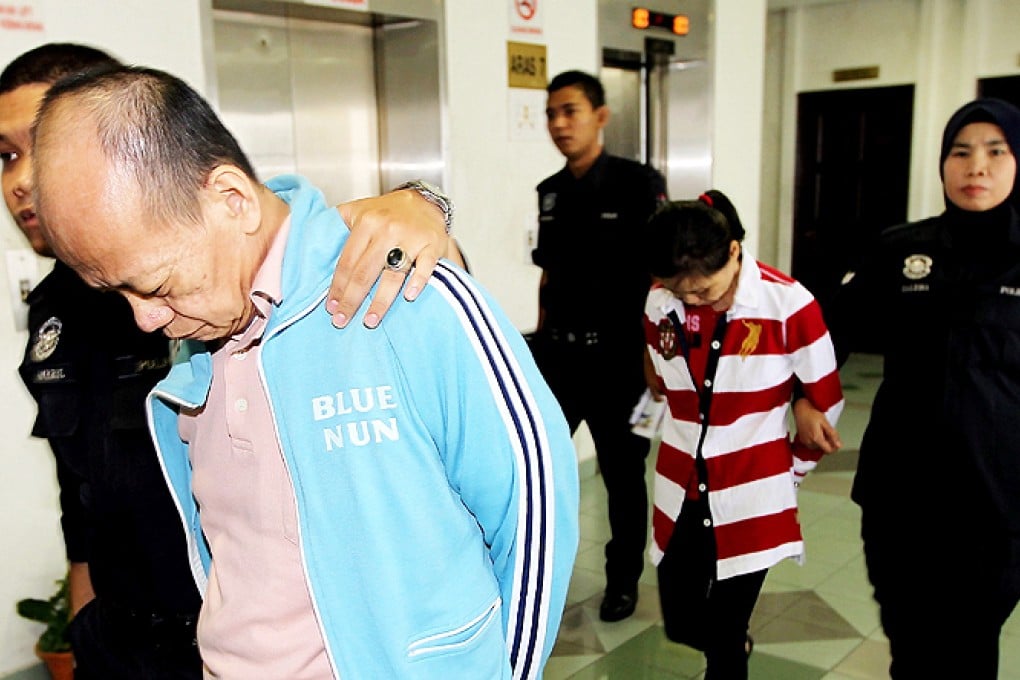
<point x="236" y="194"/>
<point x="602" y="115"/>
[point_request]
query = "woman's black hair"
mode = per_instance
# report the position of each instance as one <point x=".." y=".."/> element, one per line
<point x="685" y="238"/>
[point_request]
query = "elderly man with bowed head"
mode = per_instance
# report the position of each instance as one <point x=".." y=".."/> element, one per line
<point x="352" y="508"/>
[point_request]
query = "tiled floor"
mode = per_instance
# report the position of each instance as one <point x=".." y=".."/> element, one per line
<point x="815" y="621"/>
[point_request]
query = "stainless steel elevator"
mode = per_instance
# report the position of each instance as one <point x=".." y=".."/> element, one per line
<point x="350" y="99"/>
<point x="659" y="90"/>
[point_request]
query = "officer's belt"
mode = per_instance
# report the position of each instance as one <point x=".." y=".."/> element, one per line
<point x="166" y="632"/>
<point x="574" y="337"/>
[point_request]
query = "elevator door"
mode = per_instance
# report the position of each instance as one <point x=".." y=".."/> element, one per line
<point x="625" y="134"/>
<point x="660" y="116"/>
<point x="300" y="96"/>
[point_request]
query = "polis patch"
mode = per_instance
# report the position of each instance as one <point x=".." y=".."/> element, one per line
<point x="46" y="339"/>
<point x="917" y="266"/>
<point x="548" y="202"/>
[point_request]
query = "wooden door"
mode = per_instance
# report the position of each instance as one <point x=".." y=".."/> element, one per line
<point x="1002" y="87"/>
<point x="853" y="170"/>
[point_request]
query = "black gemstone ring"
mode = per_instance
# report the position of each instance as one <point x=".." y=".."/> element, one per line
<point x="396" y="259"/>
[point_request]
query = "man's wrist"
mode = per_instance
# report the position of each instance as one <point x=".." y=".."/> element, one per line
<point x="433" y="195"/>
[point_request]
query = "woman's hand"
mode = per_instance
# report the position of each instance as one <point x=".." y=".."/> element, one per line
<point x="813" y="428"/>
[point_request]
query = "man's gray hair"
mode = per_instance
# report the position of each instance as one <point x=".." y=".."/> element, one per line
<point x="153" y="128"/>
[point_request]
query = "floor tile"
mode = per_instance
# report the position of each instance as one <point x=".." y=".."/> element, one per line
<point x="861" y="614"/>
<point x="767" y="667"/>
<point x="584" y="585"/>
<point x="821" y="654"/>
<point x="869" y="660"/>
<point x="850" y="580"/>
<point x="808" y="575"/>
<point x="648" y="655"/>
<point x="819" y="621"/>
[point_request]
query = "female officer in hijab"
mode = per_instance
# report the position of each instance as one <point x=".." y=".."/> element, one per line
<point x="939" y="475"/>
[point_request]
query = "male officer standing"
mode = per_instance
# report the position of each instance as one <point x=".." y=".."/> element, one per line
<point x="89" y="368"/>
<point x="590" y="340"/>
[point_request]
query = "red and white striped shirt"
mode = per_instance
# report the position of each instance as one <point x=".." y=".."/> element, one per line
<point x="774" y="335"/>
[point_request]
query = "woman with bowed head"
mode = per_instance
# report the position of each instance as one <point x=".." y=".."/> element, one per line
<point x="727" y="339"/>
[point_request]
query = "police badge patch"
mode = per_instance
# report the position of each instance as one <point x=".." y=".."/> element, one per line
<point x="46" y="339"/>
<point x="667" y="339"/>
<point x="548" y="202"/>
<point x="917" y="266"/>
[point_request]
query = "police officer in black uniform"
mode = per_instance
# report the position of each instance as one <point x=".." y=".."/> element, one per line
<point x="89" y="368"/>
<point x="589" y="342"/>
<point x="939" y="475"/>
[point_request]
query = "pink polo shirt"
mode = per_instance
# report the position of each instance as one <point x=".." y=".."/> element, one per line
<point x="257" y="619"/>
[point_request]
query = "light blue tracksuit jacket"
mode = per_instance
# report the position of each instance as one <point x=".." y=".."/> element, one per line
<point x="433" y="471"/>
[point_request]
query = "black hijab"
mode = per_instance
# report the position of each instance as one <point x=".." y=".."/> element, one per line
<point x="995" y="232"/>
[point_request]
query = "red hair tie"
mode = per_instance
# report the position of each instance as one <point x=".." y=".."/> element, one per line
<point x="706" y="199"/>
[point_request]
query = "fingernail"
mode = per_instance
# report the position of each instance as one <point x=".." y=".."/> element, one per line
<point x="371" y="320"/>
<point x="339" y="320"/>
<point x="411" y="293"/>
<point x="332" y="306"/>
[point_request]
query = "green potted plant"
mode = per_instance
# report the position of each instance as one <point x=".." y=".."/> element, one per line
<point x="53" y="647"/>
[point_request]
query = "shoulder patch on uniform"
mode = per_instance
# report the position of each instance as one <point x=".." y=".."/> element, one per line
<point x="549" y="201"/>
<point x="46" y="338"/>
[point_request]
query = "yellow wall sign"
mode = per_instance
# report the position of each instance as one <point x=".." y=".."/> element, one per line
<point x="526" y="65"/>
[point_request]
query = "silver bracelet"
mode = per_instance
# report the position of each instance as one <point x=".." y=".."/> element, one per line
<point x="433" y="195"/>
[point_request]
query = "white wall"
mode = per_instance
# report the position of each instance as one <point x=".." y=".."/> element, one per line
<point x="493" y="180"/>
<point x="161" y="33"/>
<point x="737" y="89"/>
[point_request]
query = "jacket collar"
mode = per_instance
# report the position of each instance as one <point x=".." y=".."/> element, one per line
<point x="317" y="235"/>
<point x="596" y="173"/>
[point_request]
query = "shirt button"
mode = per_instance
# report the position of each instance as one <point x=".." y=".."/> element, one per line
<point x="702" y="487"/>
<point x="715" y="344"/>
<point x="708" y="383"/>
<point x="708" y="522"/>
<point x="241" y="405"/>
<point x="701" y="417"/>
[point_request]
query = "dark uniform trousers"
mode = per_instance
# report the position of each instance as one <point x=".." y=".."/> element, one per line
<point x="944" y="615"/>
<point x="592" y="339"/>
<point x="593" y="384"/>
<point x="114" y="643"/>
<point x="89" y="369"/>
